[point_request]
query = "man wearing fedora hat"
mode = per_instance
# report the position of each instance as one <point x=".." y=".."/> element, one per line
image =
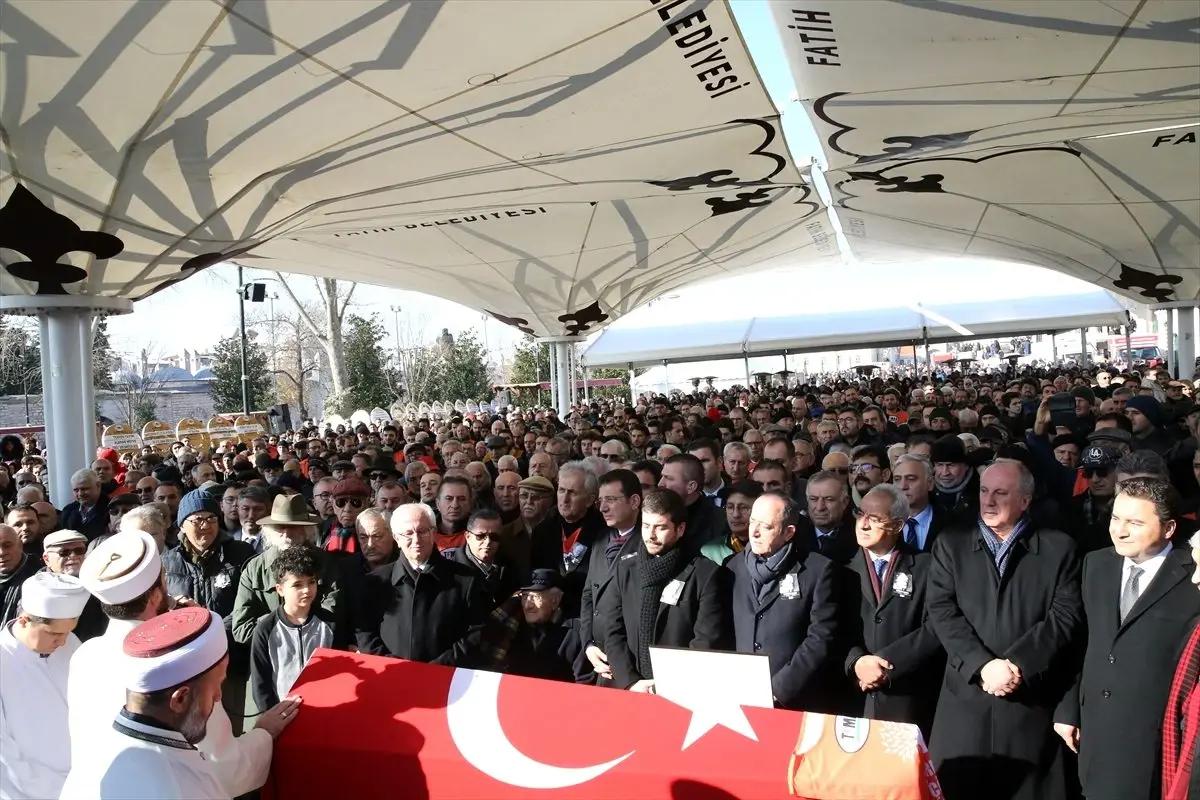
<point x="289" y="525"/>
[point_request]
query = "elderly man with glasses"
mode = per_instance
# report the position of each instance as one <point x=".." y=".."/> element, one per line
<point x="206" y="564"/>
<point x="423" y="607"/>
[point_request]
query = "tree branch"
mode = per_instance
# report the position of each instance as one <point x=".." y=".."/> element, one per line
<point x="346" y="301"/>
<point x="300" y="309"/>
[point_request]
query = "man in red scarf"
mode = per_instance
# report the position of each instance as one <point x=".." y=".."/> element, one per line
<point x="1181" y="727"/>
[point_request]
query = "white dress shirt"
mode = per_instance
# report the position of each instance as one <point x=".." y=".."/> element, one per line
<point x="1150" y="568"/>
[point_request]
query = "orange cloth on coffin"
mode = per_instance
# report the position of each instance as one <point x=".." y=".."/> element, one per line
<point x="844" y="758"/>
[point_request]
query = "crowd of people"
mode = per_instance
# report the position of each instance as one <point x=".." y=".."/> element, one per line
<point x="1000" y="560"/>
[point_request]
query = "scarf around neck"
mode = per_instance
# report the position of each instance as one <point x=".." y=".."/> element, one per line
<point x="764" y="572"/>
<point x="654" y="573"/>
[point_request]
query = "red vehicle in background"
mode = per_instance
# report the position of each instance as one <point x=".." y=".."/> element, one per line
<point x="1147" y="352"/>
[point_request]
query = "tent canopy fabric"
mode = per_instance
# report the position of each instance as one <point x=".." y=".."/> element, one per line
<point x="1059" y="133"/>
<point x="625" y="346"/>
<point x="552" y="164"/>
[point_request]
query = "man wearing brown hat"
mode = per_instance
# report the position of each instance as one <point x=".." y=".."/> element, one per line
<point x="350" y="497"/>
<point x="536" y="497"/>
<point x="290" y="525"/>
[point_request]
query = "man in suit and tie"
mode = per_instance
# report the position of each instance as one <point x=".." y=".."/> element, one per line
<point x="913" y="475"/>
<point x="1003" y="599"/>
<point x="830" y="528"/>
<point x="896" y="658"/>
<point x="621" y="505"/>
<point x="785" y="604"/>
<point x="1140" y="608"/>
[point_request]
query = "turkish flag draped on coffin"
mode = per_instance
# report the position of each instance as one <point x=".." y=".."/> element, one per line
<point x="375" y="727"/>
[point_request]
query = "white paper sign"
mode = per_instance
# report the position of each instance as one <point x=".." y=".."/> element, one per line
<point x="713" y="686"/>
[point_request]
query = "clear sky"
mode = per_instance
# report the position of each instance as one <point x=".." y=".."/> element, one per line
<point x="156" y="322"/>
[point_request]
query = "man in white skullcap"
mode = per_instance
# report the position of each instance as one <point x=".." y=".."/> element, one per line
<point x="125" y="573"/>
<point x="171" y="667"/>
<point x="35" y="651"/>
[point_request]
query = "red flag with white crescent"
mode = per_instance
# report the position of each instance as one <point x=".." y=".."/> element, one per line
<point x="376" y="727"/>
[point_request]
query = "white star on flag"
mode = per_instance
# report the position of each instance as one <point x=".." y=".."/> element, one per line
<point x="685" y="677"/>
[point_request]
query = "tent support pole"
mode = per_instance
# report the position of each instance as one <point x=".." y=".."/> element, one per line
<point x="1128" y="340"/>
<point x="1053" y="347"/>
<point x="1186" y="363"/>
<point x="928" y="358"/>
<point x="666" y="378"/>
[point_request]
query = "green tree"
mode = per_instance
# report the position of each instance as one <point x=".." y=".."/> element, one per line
<point x="464" y="373"/>
<point x="102" y="356"/>
<point x="226" y="386"/>
<point x="367" y="379"/>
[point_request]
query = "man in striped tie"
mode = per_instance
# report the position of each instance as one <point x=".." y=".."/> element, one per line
<point x="896" y="659"/>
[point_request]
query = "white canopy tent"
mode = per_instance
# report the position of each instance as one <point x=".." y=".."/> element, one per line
<point x="558" y="164"/>
<point x="622" y="345"/>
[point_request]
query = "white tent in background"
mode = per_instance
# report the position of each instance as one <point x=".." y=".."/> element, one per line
<point x="623" y="345"/>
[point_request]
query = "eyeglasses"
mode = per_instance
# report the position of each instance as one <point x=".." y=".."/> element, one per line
<point x="485" y="537"/>
<point x="353" y="502"/>
<point x="116" y="511"/>
<point x="867" y="468"/>
<point x="206" y="521"/>
<point x="322" y="495"/>
<point x="63" y="552"/>
<point x="1097" y="472"/>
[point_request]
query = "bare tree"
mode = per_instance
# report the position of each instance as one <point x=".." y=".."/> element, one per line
<point x="295" y="353"/>
<point x="326" y="325"/>
<point x="418" y="363"/>
<point x="136" y="395"/>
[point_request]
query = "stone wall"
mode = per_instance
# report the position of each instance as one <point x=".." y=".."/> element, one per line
<point x="172" y="407"/>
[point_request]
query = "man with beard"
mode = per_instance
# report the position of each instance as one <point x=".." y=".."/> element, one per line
<point x="63" y="554"/>
<point x="24" y="520"/>
<point x="125" y="574"/>
<point x="663" y="595"/>
<point x="174" y="666"/>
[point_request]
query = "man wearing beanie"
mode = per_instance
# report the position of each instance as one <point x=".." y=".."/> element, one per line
<point x="1147" y="417"/>
<point x="206" y="564"/>
<point x="956" y="485"/>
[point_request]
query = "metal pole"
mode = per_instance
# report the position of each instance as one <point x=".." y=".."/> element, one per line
<point x="586" y="392"/>
<point x="242" y="326"/>
<point x="537" y="371"/>
<point x="1128" y="341"/>
<point x="1053" y="347"/>
<point x="1170" y="312"/>
<point x="928" y="358"/>
<point x="1083" y="355"/>
<point x="746" y="364"/>
<point x="274" y="349"/>
<point x="632" y="394"/>
<point x="1186" y="363"/>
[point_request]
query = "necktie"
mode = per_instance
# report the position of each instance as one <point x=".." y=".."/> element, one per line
<point x="881" y="565"/>
<point x="910" y="533"/>
<point x="1129" y="594"/>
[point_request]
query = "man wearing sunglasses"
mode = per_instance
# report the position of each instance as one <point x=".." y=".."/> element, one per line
<point x="1088" y="515"/>
<point x="63" y="553"/>
<point x="482" y="552"/>
<point x="350" y="497"/>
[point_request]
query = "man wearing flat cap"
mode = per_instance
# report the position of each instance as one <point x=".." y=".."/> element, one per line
<point x="172" y="667"/>
<point x="528" y="636"/>
<point x="35" y="654"/>
<point x="63" y="554"/>
<point x="956" y="485"/>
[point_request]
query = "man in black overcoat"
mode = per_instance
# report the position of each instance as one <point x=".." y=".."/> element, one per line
<point x="1140" y="608"/>
<point x="1003" y="598"/>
